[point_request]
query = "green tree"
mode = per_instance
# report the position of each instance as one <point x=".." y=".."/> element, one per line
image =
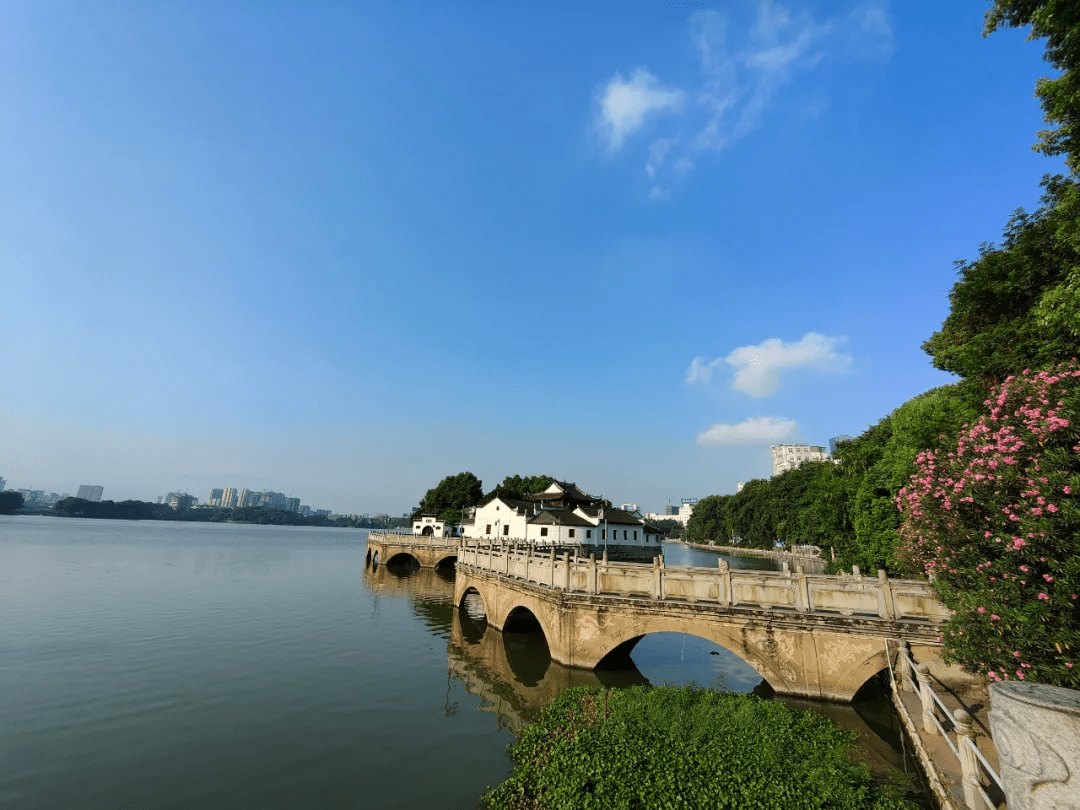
<point x="1057" y="21"/>
<point x="452" y="494"/>
<point x="1018" y="305"/>
<point x="518" y="487"/>
<point x="10" y="501"/>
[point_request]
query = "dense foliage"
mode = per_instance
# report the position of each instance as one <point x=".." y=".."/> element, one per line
<point x="142" y="510"/>
<point x="670" y="528"/>
<point x="452" y="495"/>
<point x="1057" y="21"/>
<point x="995" y="521"/>
<point x="684" y="748"/>
<point x="10" y="501"/>
<point x="515" y="486"/>
<point x="1018" y="305"/>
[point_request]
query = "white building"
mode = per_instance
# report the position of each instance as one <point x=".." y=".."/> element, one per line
<point x="428" y="525"/>
<point x="682" y="514"/>
<point x="790" y="456"/>
<point x="560" y="515"/>
<point x="90" y="492"/>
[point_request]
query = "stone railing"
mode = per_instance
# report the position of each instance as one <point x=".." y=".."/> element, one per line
<point x="410" y="539"/>
<point x="976" y="773"/>
<point x="795" y="592"/>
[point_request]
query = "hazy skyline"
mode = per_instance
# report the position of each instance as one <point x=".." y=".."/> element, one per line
<point x="346" y="252"/>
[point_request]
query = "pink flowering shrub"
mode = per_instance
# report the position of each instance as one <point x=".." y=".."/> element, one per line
<point x="995" y="524"/>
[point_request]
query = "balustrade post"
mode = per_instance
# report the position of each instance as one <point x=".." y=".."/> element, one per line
<point x="887" y="609"/>
<point x="566" y="571"/>
<point x="725" y="581"/>
<point x="855" y="572"/>
<point x="969" y="766"/>
<point x="660" y="584"/>
<point x="926" y="697"/>
<point x="802" y="591"/>
<point x="528" y="557"/>
<point x="551" y="580"/>
<point x="656" y="577"/>
<point x="905" y="683"/>
<point x="594" y="583"/>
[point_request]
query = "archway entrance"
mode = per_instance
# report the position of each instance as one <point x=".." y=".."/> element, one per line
<point x="428" y="531"/>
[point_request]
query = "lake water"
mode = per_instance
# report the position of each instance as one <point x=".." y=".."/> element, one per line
<point x="193" y="665"/>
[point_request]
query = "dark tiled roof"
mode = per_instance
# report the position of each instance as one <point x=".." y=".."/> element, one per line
<point x="513" y="503"/>
<point x="560" y="517"/>
<point x="569" y="491"/>
<point x="612" y="515"/>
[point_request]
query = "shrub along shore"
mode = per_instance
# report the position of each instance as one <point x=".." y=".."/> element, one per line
<point x="682" y="747"/>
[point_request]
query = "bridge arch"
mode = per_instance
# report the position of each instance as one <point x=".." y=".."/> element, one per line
<point x="471" y="591"/>
<point x="447" y="560"/>
<point x="620" y="644"/>
<point x="428" y="531"/>
<point x="405" y="558"/>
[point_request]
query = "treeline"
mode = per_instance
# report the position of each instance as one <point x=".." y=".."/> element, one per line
<point x="850" y="507"/>
<point x="141" y="510"/>
<point x="1015" y="307"/>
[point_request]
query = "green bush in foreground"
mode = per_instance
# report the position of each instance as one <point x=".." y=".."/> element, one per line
<point x="684" y="748"/>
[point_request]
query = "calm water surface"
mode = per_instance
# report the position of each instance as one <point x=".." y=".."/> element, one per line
<point x="184" y="665"/>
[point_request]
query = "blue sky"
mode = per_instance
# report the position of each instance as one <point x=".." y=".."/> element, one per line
<point x="344" y="250"/>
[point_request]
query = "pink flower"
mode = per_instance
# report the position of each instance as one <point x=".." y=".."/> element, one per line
<point x="982" y="610"/>
<point x="1020" y="674"/>
<point x="1048" y="578"/>
<point x="1044" y="597"/>
<point x="1068" y="664"/>
<point x="994" y="617"/>
<point x="1016" y="653"/>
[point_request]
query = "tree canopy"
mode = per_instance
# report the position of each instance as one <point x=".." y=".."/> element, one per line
<point x="453" y="494"/>
<point x="518" y="487"/>
<point x="10" y="501"/>
<point x="1056" y="21"/>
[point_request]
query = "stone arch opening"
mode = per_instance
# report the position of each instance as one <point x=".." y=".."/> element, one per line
<point x="690" y="655"/>
<point x="428" y="531"/>
<point x="373" y="557"/>
<point x="472" y="604"/>
<point x="403" y="561"/>
<point x="447" y="563"/>
<point x="526" y="646"/>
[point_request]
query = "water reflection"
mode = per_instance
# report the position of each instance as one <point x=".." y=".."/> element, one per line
<point x="513" y="675"/>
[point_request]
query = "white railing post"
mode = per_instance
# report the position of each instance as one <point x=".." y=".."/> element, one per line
<point x="725" y="581"/>
<point x="656" y="577"/>
<point x="969" y="767"/>
<point x="926" y="697"/>
<point x="594" y="581"/>
<point x="660" y="578"/>
<point x="888" y="607"/>
<point x="566" y="571"/>
<point x="802" y="591"/>
<point x="905" y="682"/>
<point x="551" y="579"/>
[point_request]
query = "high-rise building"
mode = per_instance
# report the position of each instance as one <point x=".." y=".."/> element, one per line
<point x="228" y="498"/>
<point x="214" y="498"/>
<point x="181" y="501"/>
<point x="90" y="492"/>
<point x="275" y="500"/>
<point x="247" y="498"/>
<point x="292" y="504"/>
<point x="789" y="456"/>
<point x="835" y="440"/>
<point x="3" y="483"/>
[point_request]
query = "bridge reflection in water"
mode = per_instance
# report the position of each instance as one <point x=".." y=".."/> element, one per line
<point x="513" y="675"/>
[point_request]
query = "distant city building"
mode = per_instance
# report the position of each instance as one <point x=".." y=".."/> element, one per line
<point x="214" y="497"/>
<point x="292" y="504"/>
<point x="228" y="498"/>
<point x="181" y="501"/>
<point x="90" y="492"/>
<point x="321" y="513"/>
<point x="790" y="456"/>
<point x="835" y="440"/>
<point x="3" y="483"/>
<point x="629" y="507"/>
<point x="305" y="510"/>
<point x="680" y="513"/>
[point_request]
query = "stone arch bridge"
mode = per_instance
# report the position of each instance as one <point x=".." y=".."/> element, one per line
<point x="815" y="636"/>
<point x="429" y="551"/>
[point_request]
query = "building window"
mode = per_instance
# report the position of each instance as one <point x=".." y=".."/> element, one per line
<point x="571" y="532"/>
<point x="506" y="530"/>
<point x="603" y="534"/>
<point x="488" y="530"/>
<point x="635" y="535"/>
<point x="543" y="531"/>
<point x="588" y="534"/>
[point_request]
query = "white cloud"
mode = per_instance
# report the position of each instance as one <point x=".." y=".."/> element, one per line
<point x="622" y="106"/>
<point x="701" y="369"/>
<point x="659" y="193"/>
<point x="757" y="368"/>
<point x="658" y="150"/>
<point x="744" y="64"/>
<point x="756" y="430"/>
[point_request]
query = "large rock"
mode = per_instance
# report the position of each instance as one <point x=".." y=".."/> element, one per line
<point x="1036" y="729"/>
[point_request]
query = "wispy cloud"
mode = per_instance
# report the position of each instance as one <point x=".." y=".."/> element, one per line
<point x="758" y="368"/>
<point x="756" y="430"/>
<point x="743" y="66"/>
<point x="623" y="105"/>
